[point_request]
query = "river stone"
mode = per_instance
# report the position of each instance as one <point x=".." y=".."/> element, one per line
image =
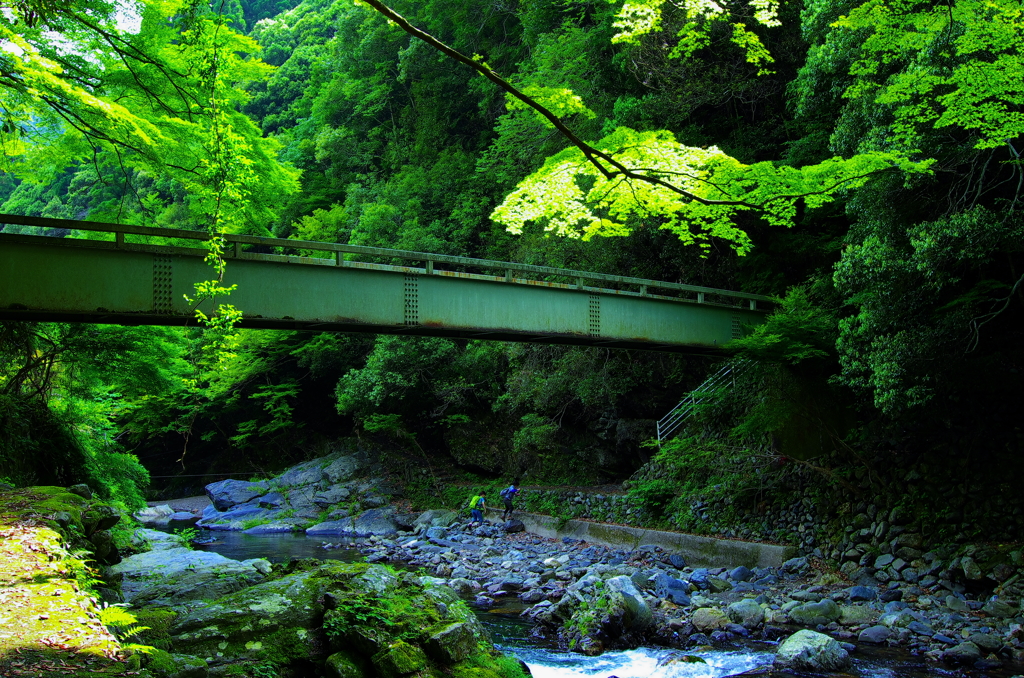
<point x="964" y="653"/>
<point x="436" y="518"/>
<point x="812" y="651"/>
<point x="986" y="641"/>
<point x="514" y="525"/>
<point x="228" y="493"/>
<point x="875" y="635"/>
<point x="154" y="515"/>
<point x="998" y="608"/>
<point x="747" y="613"/>
<point x="956" y="605"/>
<point x="851" y="615"/>
<point x="971" y="569"/>
<point x="451" y="644"/>
<point x="861" y="593"/>
<point x="678" y="665"/>
<point x="812" y="614"/>
<point x="740" y="573"/>
<point x="378" y="521"/>
<point x="637" y="615"/>
<point x="707" y="619"/>
<point x="670" y="588"/>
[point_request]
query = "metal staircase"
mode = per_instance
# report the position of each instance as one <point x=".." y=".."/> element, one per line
<point x="671" y="422"/>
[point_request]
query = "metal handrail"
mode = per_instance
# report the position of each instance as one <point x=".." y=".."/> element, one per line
<point x="120" y="230"/>
<point x="668" y="424"/>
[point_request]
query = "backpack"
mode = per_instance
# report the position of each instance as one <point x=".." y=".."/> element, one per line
<point x="474" y="502"/>
<point x="506" y="493"/>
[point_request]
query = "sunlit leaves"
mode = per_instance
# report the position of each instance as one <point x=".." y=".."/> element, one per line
<point x="638" y="18"/>
<point x="942" y="65"/>
<point x="696" y="192"/>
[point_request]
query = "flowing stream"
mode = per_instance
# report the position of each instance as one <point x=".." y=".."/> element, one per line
<point x="512" y="634"/>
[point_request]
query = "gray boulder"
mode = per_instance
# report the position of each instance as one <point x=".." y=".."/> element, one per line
<point x="514" y="525"/>
<point x="812" y="614"/>
<point x="746" y="613"/>
<point x="378" y="521"/>
<point x="228" y="493"/>
<point x="341" y="469"/>
<point x="436" y="517"/>
<point x="672" y="589"/>
<point x="154" y="515"/>
<point x="182" y="574"/>
<point x="874" y="635"/>
<point x="812" y="651"/>
<point x="964" y="653"/>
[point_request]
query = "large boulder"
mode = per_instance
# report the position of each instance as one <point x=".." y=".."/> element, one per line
<point x="375" y="522"/>
<point x="707" y="619"/>
<point x="173" y="574"/>
<point x="808" y="650"/>
<point x="746" y="613"/>
<point x="636" y="615"/>
<point x="812" y="614"/>
<point x="349" y="616"/>
<point x="436" y="518"/>
<point x="154" y="515"/>
<point x="228" y="493"/>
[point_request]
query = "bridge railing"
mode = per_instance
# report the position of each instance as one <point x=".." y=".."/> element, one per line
<point x="335" y="255"/>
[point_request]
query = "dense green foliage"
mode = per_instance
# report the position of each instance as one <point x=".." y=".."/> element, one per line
<point x="858" y="159"/>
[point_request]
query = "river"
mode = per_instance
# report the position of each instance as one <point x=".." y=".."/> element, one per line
<point x="512" y="634"/>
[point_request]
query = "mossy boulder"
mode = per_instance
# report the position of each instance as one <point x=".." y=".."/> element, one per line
<point x="353" y="619"/>
<point x="399" y="659"/>
<point x="166" y="665"/>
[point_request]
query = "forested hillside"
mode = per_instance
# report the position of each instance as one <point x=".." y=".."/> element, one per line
<point x="857" y="159"/>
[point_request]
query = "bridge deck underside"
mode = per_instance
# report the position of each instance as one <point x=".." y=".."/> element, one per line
<point x="95" y="281"/>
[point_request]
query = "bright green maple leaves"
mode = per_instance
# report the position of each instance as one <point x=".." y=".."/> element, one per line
<point x="694" y="192"/>
<point x="956" y="64"/>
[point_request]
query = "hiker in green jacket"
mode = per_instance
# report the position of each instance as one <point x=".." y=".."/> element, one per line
<point x="476" y="508"/>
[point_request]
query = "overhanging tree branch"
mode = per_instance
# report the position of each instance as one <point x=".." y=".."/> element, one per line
<point x="608" y="166"/>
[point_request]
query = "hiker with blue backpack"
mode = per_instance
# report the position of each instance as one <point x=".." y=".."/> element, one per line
<point x="476" y="508"/>
<point x="508" y="495"/>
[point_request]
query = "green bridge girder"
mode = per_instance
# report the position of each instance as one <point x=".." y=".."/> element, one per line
<point x="144" y="280"/>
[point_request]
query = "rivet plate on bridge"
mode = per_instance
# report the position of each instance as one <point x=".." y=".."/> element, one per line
<point x="594" y="326"/>
<point x="412" y="300"/>
<point x="163" y="301"/>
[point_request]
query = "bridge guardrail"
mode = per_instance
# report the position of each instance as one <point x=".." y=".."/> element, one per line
<point x="700" y="294"/>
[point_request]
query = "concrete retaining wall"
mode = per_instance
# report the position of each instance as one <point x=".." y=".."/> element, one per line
<point x="698" y="551"/>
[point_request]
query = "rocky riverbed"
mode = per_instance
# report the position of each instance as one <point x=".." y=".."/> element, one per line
<point x="590" y="597"/>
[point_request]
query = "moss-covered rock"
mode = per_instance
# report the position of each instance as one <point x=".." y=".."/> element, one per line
<point x="343" y="665"/>
<point x="399" y="659"/>
<point x="362" y="620"/>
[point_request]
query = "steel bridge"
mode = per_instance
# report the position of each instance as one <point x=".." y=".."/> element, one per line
<point x="80" y="271"/>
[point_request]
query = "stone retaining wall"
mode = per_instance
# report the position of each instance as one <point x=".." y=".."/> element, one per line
<point x="698" y="551"/>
